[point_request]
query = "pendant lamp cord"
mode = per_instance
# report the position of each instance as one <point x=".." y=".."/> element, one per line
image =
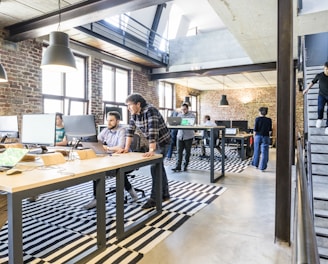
<point x="59" y="16"/>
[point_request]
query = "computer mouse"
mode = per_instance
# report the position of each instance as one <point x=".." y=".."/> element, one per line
<point x="13" y="171"/>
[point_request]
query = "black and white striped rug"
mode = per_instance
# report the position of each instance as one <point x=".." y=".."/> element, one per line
<point x="56" y="228"/>
<point x="233" y="162"/>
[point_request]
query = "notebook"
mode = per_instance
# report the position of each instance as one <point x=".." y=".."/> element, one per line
<point x="174" y="120"/>
<point x="187" y="121"/>
<point x="97" y="147"/>
<point x="10" y="157"/>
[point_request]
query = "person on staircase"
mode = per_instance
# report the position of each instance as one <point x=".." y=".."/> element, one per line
<point x="322" y="78"/>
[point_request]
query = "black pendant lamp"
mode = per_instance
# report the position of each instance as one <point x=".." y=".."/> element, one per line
<point x="58" y="56"/>
<point x="223" y="101"/>
<point x="187" y="100"/>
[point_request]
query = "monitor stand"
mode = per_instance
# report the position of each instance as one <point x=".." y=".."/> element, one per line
<point x="43" y="150"/>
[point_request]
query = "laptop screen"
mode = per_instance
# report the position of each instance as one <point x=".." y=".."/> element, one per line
<point x="11" y="156"/>
<point x="187" y="121"/>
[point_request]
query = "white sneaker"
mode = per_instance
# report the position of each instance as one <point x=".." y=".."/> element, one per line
<point x="326" y="130"/>
<point x="133" y="194"/>
<point x="318" y="123"/>
<point x="92" y="204"/>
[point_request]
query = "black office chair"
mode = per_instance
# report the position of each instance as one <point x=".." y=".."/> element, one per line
<point x="135" y="147"/>
<point x="206" y="144"/>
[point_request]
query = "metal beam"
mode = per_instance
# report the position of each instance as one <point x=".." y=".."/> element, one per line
<point x="215" y="71"/>
<point x="75" y="15"/>
<point x="285" y="120"/>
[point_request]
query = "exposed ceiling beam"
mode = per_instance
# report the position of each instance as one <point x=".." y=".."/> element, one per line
<point x="216" y="71"/>
<point x="75" y="15"/>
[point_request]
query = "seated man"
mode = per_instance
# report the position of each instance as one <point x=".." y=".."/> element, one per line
<point x="113" y="138"/>
<point x="208" y="122"/>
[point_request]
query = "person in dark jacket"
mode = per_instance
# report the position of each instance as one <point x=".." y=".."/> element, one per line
<point x="262" y="129"/>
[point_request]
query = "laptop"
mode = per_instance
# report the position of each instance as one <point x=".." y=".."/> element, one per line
<point x="10" y="157"/>
<point x="97" y="147"/>
<point x="231" y="131"/>
<point x="174" y="120"/>
<point x="187" y="121"/>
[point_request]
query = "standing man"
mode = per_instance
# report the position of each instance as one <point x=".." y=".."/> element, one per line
<point x="152" y="125"/>
<point x="184" y="140"/>
<point x="262" y="129"/>
<point x="113" y="138"/>
<point x="323" y="95"/>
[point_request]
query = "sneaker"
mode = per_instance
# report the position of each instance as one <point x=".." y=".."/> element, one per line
<point x="92" y="204"/>
<point x="326" y="130"/>
<point x="176" y="169"/>
<point x="318" y="123"/>
<point x="133" y="194"/>
<point x="33" y="198"/>
<point x="149" y="204"/>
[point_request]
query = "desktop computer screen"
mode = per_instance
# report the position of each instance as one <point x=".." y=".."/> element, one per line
<point x="39" y="129"/>
<point x="8" y="126"/>
<point x="225" y="123"/>
<point x="242" y="125"/>
<point x="80" y="127"/>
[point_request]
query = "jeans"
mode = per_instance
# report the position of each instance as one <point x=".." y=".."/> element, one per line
<point x="322" y="100"/>
<point x="261" y="152"/>
<point x="173" y="143"/>
<point x="184" y="145"/>
<point x="165" y="186"/>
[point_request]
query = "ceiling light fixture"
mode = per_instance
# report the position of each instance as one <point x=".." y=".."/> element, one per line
<point x="58" y="56"/>
<point x="223" y="101"/>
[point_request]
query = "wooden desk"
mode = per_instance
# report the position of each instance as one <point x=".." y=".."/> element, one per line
<point x="243" y="138"/>
<point x="42" y="179"/>
<point x="221" y="130"/>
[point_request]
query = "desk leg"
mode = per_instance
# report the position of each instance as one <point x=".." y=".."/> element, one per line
<point x="212" y="156"/>
<point x="15" y="229"/>
<point x="101" y="212"/>
<point x="242" y="149"/>
<point x="158" y="186"/>
<point x="120" y="203"/>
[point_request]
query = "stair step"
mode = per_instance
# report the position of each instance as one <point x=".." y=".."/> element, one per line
<point x="320" y="204"/>
<point x="316" y="148"/>
<point x="323" y="253"/>
<point x="320" y="182"/>
<point x="321" y="222"/>
<point x="322" y="237"/>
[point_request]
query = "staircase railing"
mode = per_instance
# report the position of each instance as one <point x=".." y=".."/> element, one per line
<point x="305" y="246"/>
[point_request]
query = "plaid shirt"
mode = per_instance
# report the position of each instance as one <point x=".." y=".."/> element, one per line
<point x="151" y="124"/>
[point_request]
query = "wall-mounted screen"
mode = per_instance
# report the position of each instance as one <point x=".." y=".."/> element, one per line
<point x="80" y="127"/>
<point x="9" y="126"/>
<point x="39" y="129"/>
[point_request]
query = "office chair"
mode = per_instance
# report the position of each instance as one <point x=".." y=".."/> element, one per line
<point x="135" y="147"/>
<point x="206" y="144"/>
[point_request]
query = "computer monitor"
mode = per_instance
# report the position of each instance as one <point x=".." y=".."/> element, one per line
<point x="80" y="127"/>
<point x="225" y="123"/>
<point x="39" y="130"/>
<point x="241" y="124"/>
<point x="9" y="127"/>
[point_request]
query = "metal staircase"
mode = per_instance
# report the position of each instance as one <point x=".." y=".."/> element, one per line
<point x="319" y="165"/>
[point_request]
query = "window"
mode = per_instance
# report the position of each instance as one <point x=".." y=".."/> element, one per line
<point x="116" y="89"/>
<point x="194" y="105"/>
<point x="166" y="98"/>
<point x="65" y="92"/>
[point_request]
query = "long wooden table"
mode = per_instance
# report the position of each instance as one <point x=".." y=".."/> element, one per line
<point x="36" y="180"/>
<point x="221" y="130"/>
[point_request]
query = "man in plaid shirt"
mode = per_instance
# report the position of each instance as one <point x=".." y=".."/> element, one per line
<point x="152" y="125"/>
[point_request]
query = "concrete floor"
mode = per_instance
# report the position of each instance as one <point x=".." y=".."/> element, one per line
<point x="237" y="228"/>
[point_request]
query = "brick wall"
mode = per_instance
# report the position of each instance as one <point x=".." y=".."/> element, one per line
<point x="22" y="93"/>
